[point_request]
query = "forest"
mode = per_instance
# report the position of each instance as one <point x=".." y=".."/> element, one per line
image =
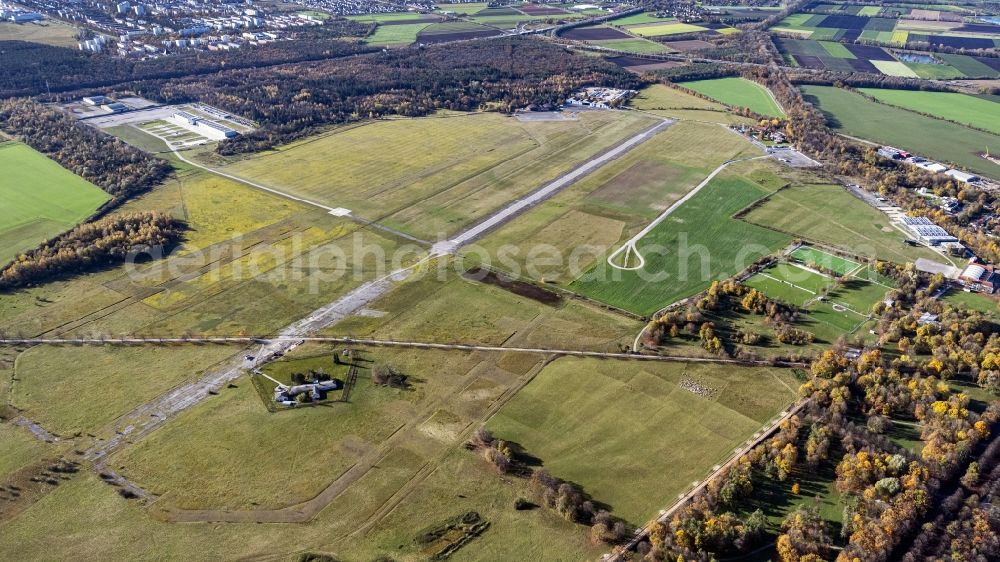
<point x="33" y="68"/>
<point x="291" y="100"/>
<point x="102" y="243"/>
<point x="103" y="160"/>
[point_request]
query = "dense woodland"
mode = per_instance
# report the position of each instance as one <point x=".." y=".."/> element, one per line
<point x="94" y="245"/>
<point x="291" y="100"/>
<point x="32" y="68"/>
<point x="107" y="162"/>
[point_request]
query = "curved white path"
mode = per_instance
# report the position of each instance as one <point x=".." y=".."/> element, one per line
<point x="630" y="247"/>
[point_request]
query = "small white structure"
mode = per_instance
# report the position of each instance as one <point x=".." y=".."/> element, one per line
<point x="95" y="101"/>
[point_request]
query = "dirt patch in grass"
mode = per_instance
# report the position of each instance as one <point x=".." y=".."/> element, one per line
<point x="633" y="182"/>
<point x="520" y="288"/>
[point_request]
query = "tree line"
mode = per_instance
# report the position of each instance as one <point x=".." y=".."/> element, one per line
<point x="102" y="243"/>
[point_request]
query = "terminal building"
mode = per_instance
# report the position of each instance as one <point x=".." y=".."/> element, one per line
<point x="202" y="126"/>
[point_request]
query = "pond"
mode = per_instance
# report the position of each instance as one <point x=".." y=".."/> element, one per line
<point x="917" y="57"/>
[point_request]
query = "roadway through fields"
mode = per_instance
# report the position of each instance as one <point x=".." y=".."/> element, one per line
<point x="151" y="415"/>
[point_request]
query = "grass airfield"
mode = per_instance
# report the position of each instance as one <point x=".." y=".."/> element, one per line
<point x="362" y="478"/>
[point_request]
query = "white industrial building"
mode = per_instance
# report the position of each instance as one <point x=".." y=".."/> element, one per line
<point x="202" y="126"/>
<point x="962" y="176"/>
<point x="929" y="233"/>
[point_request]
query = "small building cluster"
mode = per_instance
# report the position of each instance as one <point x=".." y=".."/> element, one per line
<point x="600" y="98"/>
<point x="12" y="13"/>
<point x="976" y="276"/>
<point x="202" y="126"/>
<point x="105" y="104"/>
<point x="925" y="164"/>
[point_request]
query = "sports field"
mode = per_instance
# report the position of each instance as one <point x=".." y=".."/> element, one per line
<point x="581" y="417"/>
<point x="40" y="199"/>
<point x="811" y="256"/>
<point x="790" y="283"/>
<point x="932" y="138"/>
<point x="698" y="243"/>
<point x="831" y="309"/>
<point x="961" y="108"/>
<point x="444" y="171"/>
<point x="804" y="211"/>
<point x="738" y="92"/>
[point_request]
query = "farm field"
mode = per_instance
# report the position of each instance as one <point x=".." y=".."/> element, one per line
<point x="663" y="29"/>
<point x="580" y="428"/>
<point x="738" y="92"/>
<point x="41" y="199"/>
<point x="888" y="25"/>
<point x="663" y="100"/>
<point x="612" y="38"/>
<point x="636" y="46"/>
<point x="940" y="140"/>
<point x="648" y="25"/>
<point x="839" y="57"/>
<point x="722" y="246"/>
<point x="593" y="216"/>
<point x="961" y="108"/>
<point x="392" y="17"/>
<point x="446" y="170"/>
<point x="804" y="211"/>
<point x="49" y="32"/>
<point x="396" y="35"/>
<point x="454" y="31"/>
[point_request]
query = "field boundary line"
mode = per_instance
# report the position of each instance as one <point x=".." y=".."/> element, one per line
<point x="290" y="341"/>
